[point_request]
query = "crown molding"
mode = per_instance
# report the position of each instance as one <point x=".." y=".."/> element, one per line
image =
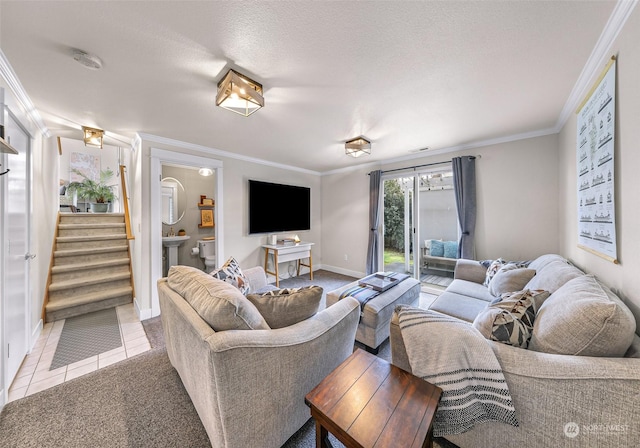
<point x="599" y="55"/>
<point x="220" y="153"/>
<point x="6" y="70"/>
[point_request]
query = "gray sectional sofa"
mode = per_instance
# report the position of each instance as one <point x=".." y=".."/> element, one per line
<point x="578" y="383"/>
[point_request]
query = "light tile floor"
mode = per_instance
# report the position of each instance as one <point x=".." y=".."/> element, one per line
<point x="34" y="374"/>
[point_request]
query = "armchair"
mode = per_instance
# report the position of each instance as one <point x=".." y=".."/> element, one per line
<point x="248" y="386"/>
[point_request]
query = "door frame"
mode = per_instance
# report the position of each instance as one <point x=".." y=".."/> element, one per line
<point x="161" y="157"/>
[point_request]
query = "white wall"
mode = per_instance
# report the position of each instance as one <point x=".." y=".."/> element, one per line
<point x="622" y="277"/>
<point x="517" y="185"/>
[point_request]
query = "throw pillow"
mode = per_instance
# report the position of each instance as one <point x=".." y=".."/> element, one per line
<point x="510" y="320"/>
<point x="583" y="317"/>
<point x="284" y="307"/>
<point x="510" y="278"/>
<point x="437" y="248"/>
<point x="492" y="270"/>
<point x="451" y="249"/>
<point x="231" y="273"/>
<point x="221" y="305"/>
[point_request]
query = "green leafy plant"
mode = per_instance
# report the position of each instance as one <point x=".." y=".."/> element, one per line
<point x="99" y="191"/>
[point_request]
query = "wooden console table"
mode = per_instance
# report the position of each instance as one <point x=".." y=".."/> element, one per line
<point x="284" y="253"/>
<point x="368" y="403"/>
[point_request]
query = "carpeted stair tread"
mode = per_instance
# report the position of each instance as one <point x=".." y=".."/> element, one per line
<point x="85" y="266"/>
<point x="67" y="302"/>
<point x="89" y="251"/>
<point x="92" y="280"/>
<point x="83" y="238"/>
<point x="97" y="225"/>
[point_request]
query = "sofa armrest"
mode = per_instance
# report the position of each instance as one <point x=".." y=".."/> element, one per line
<point x="256" y="277"/>
<point x="470" y="270"/>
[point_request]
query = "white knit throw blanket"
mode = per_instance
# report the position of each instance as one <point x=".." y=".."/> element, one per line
<point x="453" y="355"/>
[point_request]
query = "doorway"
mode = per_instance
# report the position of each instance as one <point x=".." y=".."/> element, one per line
<point x="159" y="159"/>
<point x="412" y="221"/>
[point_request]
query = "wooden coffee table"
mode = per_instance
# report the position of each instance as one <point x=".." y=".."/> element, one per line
<point x="367" y="402"/>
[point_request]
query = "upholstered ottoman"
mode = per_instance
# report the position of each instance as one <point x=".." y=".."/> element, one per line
<point x="373" y="328"/>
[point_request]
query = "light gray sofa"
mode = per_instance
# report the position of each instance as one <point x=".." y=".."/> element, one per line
<point x="248" y="386"/>
<point x="554" y="394"/>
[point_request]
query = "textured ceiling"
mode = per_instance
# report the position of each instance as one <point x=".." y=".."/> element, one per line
<point x="406" y="75"/>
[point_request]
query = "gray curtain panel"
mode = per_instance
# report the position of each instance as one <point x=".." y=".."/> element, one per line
<point x="374" y="219"/>
<point x="464" y="184"/>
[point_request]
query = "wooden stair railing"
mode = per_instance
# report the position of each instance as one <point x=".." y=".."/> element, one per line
<point x="127" y="220"/>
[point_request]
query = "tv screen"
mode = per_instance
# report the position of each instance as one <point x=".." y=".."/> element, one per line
<point x="275" y="208"/>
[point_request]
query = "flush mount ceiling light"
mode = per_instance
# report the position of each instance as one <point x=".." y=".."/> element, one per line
<point x="239" y="93"/>
<point x="92" y="137"/>
<point x="90" y="61"/>
<point x="205" y="171"/>
<point x="357" y="147"/>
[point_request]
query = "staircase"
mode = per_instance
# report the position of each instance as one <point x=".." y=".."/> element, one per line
<point x="90" y="265"/>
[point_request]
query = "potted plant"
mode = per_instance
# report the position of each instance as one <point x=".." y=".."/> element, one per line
<point x="98" y="192"/>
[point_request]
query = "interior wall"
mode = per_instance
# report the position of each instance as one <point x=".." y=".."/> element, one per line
<point x="622" y="277"/>
<point x="517" y="196"/>
<point x="194" y="186"/>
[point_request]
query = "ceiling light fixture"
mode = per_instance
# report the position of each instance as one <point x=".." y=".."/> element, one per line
<point x="357" y="147"/>
<point x="92" y="137"/>
<point x="205" y="171"/>
<point x="239" y="93"/>
<point x="90" y="61"/>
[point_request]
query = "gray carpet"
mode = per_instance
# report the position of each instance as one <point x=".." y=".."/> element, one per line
<point x="87" y="335"/>
<point x="139" y="402"/>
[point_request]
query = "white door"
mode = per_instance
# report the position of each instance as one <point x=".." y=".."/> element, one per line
<point x="16" y="272"/>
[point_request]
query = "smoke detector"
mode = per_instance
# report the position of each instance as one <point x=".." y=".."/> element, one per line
<point x="90" y="61"/>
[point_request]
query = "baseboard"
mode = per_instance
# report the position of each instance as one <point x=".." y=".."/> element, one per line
<point x="343" y="271"/>
<point x="35" y="334"/>
<point x="142" y="313"/>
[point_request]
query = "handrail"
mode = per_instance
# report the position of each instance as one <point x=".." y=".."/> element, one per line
<point x="125" y="203"/>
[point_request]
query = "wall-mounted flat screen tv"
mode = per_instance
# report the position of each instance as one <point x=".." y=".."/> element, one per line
<point x="275" y="208"/>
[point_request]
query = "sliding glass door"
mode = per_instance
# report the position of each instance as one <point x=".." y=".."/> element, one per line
<point x="420" y="208"/>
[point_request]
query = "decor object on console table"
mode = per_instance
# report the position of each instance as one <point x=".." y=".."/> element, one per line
<point x="281" y="253"/>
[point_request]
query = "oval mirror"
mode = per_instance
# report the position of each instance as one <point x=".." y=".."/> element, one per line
<point x="174" y="200"/>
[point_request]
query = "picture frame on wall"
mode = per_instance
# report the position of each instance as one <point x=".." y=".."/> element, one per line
<point x="206" y="218"/>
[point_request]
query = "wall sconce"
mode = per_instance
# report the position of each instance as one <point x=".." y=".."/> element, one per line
<point x="239" y="93"/>
<point x="92" y="137"/>
<point x="357" y="147"/>
<point x="205" y="171"/>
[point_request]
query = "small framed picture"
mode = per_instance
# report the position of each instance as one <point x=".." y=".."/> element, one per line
<point x="206" y="218"/>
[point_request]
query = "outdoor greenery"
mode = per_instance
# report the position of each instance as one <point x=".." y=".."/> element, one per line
<point x="393" y="216"/>
<point x="99" y="191"/>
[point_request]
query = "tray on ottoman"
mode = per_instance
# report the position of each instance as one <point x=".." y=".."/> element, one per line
<point x="381" y="281"/>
